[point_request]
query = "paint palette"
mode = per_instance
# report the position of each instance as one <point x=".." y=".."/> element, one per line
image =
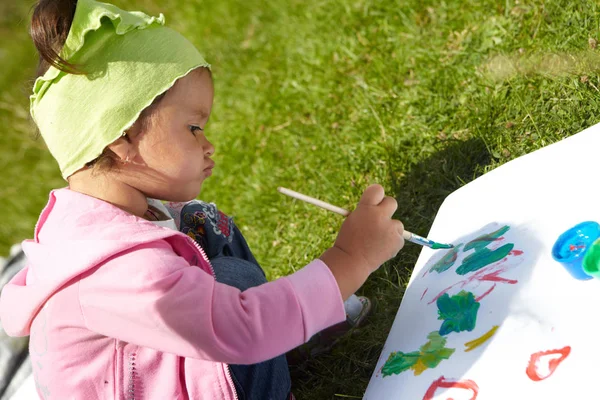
<point x="572" y="245"/>
<point x="496" y="316"/>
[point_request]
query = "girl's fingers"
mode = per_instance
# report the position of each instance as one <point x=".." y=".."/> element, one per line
<point x="389" y="205"/>
<point x="372" y="196"/>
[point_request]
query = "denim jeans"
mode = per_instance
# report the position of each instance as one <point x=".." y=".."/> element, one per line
<point x="234" y="265"/>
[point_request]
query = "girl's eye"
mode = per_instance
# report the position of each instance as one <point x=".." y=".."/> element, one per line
<point x="194" y="129"/>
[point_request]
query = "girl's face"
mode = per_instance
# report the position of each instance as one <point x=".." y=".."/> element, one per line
<point x="172" y="154"/>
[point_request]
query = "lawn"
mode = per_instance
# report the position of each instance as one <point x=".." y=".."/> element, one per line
<point x="327" y="96"/>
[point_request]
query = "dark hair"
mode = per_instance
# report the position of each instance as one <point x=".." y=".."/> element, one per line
<point x="50" y="25"/>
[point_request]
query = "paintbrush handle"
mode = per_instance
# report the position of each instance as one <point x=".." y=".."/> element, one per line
<point x="330" y="207"/>
<point x="313" y="201"/>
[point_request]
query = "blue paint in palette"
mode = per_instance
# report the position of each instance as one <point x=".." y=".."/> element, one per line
<point x="572" y="245"/>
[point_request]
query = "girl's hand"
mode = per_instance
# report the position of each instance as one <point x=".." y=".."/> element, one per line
<point x="368" y="238"/>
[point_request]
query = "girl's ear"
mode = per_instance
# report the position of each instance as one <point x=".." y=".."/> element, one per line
<point x="123" y="148"/>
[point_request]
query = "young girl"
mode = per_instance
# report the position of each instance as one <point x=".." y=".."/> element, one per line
<point x="118" y="303"/>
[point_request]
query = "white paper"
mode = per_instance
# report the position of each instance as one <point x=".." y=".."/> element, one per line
<point x="539" y="310"/>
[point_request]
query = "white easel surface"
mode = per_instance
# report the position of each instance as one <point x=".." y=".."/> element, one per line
<point x="536" y="327"/>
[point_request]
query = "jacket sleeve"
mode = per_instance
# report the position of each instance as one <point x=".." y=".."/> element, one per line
<point x="151" y="297"/>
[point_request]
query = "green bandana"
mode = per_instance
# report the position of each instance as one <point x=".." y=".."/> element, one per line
<point x="129" y="59"/>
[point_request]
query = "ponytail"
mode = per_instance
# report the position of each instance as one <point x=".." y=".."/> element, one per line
<point x="50" y="25"/>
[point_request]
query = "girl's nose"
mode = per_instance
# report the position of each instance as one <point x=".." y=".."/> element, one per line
<point x="208" y="147"/>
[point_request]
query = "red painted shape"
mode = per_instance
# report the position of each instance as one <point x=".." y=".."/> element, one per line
<point x="553" y="363"/>
<point x="486" y="293"/>
<point x="442" y="383"/>
<point x="488" y="274"/>
<point x="516" y="252"/>
<point x="495" y="277"/>
<point x="425" y="292"/>
<point x="443" y="292"/>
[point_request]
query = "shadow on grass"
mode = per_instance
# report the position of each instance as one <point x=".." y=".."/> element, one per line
<point x="420" y="192"/>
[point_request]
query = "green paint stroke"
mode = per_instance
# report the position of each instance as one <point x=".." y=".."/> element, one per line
<point x="483" y="240"/>
<point x="430" y="355"/>
<point x="458" y="312"/>
<point x="482" y="258"/>
<point x="434" y="351"/>
<point x="398" y="362"/>
<point x="447" y="261"/>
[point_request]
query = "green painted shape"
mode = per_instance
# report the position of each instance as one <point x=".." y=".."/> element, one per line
<point x="482" y="258"/>
<point x="436" y="341"/>
<point x="458" y="312"/>
<point x="447" y="261"/>
<point x="435" y="351"/>
<point x="483" y="240"/>
<point x="399" y="362"/>
<point x="431" y="354"/>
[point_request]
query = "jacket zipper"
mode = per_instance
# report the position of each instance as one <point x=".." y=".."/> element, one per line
<point x="227" y="369"/>
<point x="201" y="250"/>
<point x="132" y="378"/>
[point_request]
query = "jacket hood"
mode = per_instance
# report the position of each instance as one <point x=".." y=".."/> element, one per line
<point x="74" y="234"/>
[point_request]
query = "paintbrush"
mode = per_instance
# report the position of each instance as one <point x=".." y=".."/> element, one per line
<point x="411" y="237"/>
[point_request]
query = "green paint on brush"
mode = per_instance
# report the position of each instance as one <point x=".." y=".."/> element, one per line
<point x="437" y="246"/>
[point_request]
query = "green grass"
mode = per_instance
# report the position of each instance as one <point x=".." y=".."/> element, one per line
<point x="327" y="96"/>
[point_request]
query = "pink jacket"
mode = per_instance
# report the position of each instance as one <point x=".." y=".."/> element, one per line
<point x="119" y="308"/>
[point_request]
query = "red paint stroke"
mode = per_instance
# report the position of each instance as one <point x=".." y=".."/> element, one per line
<point x="516" y="253"/>
<point x="442" y="383"/>
<point x="496" y="244"/>
<point x="495" y="277"/>
<point x="487" y="274"/>
<point x="490" y="290"/>
<point x="486" y="238"/>
<point x="425" y="292"/>
<point x="553" y="363"/>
